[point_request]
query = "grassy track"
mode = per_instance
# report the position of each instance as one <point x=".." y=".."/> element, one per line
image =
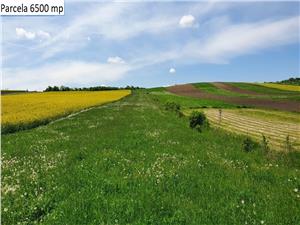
<point x="131" y="162"/>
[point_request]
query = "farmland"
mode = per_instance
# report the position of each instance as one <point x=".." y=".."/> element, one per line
<point x="275" y="126"/>
<point x="29" y="110"/>
<point x="250" y="118"/>
<point x="132" y="162"/>
<point x="282" y="86"/>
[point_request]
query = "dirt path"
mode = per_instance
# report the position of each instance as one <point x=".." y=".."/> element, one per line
<point x="232" y="88"/>
<point x="191" y="91"/>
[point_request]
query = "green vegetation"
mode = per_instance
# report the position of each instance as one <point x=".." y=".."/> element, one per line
<point x="198" y="121"/>
<point x="96" y="88"/>
<point x="263" y="90"/>
<point x="268" y="92"/>
<point x="189" y="102"/>
<point x="292" y="81"/>
<point x="210" y="88"/>
<point x="133" y="162"/>
<point x="5" y="92"/>
<point x="249" y="144"/>
<point x="173" y="107"/>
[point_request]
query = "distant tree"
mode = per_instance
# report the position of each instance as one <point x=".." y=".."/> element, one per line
<point x="292" y="81"/>
<point x="55" y="88"/>
<point x="49" y="88"/>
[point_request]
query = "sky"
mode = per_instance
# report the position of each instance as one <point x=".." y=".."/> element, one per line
<point x="151" y="44"/>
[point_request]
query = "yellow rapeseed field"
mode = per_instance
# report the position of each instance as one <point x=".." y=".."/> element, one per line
<point x="282" y="86"/>
<point x="33" y="107"/>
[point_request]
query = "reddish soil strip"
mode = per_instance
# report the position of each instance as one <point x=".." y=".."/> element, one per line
<point x="232" y="88"/>
<point x="191" y="91"/>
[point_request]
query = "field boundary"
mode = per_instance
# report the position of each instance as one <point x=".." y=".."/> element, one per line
<point x="191" y="91"/>
<point x="13" y="128"/>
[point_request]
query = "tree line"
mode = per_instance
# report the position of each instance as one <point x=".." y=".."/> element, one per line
<point x="96" y="88"/>
<point x="292" y="80"/>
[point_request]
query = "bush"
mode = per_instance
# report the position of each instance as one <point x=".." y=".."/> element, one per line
<point x="248" y="144"/>
<point x="174" y="107"/>
<point x="198" y="121"/>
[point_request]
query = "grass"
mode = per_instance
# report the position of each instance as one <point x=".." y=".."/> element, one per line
<point x="210" y="88"/>
<point x="269" y="92"/>
<point x="189" y="102"/>
<point x="263" y="90"/>
<point x="132" y="162"/>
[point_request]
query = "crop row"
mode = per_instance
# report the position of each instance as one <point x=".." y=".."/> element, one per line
<point x="275" y="133"/>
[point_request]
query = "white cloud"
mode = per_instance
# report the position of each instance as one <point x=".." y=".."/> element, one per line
<point x="172" y="70"/>
<point x="115" y="60"/>
<point x="245" y="38"/>
<point x="231" y="41"/>
<point x="63" y="73"/>
<point x="22" y="33"/>
<point x="43" y="35"/>
<point x="187" y="21"/>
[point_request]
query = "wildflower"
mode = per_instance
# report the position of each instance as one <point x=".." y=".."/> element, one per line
<point x="5" y="209"/>
<point x="243" y="202"/>
<point x="262" y="222"/>
<point x="296" y="190"/>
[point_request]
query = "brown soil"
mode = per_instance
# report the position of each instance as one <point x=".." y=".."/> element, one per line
<point x="232" y="88"/>
<point x="191" y="91"/>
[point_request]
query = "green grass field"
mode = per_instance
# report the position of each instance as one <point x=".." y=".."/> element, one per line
<point x="210" y="88"/>
<point x="132" y="162"/>
<point x="273" y="93"/>
<point x="267" y="92"/>
<point x="189" y="102"/>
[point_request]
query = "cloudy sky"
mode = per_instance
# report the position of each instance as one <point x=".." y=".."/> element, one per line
<point x="151" y="44"/>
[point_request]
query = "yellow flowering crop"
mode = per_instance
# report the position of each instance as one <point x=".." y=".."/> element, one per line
<point x="29" y="108"/>
<point x="282" y="86"/>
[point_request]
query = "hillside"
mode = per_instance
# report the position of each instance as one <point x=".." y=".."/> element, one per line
<point x="132" y="162"/>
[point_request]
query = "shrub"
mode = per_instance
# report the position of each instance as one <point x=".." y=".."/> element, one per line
<point x="174" y="107"/>
<point x="198" y="121"/>
<point x="248" y="144"/>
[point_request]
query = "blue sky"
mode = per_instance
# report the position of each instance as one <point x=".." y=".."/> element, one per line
<point x="151" y="44"/>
